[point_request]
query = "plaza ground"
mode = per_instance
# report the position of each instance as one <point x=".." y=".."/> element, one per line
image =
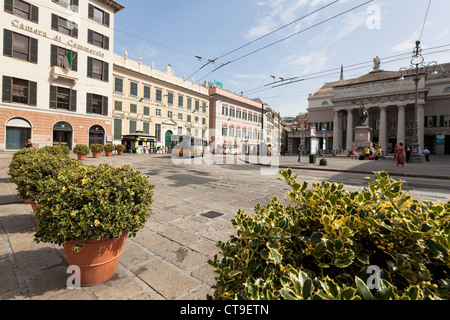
<point x="194" y="204"/>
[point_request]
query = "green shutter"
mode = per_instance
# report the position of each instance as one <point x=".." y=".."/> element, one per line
<point x="89" y="103"/>
<point x="74" y="4"/>
<point x="6" y="90"/>
<point x="53" y="97"/>
<point x="133" y="126"/>
<point x="89" y="67"/>
<point x="53" y="55"/>
<point x="74" y="30"/>
<point x="90" y="36"/>
<point x="7" y="42"/>
<point x="55" y="22"/>
<point x="75" y="62"/>
<point x="91" y="11"/>
<point x="32" y="93"/>
<point x="105" y="106"/>
<point x="105" y="71"/>
<point x="118" y="105"/>
<point x="33" y="50"/>
<point x="106" y="43"/>
<point x="9" y="6"/>
<point x="34" y="14"/>
<point x="73" y="100"/>
<point x="147" y="127"/>
<point x="117" y="129"/>
<point x="106" y="19"/>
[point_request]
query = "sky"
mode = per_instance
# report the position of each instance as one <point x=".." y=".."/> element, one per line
<point x="256" y="46"/>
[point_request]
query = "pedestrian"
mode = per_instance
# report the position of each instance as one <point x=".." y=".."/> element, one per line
<point x="400" y="159"/>
<point x="395" y="152"/>
<point x="408" y="152"/>
<point x="299" y="153"/>
<point x="29" y="144"/>
<point x="354" y="155"/>
<point x="367" y="153"/>
<point x="379" y="152"/>
<point x="427" y="153"/>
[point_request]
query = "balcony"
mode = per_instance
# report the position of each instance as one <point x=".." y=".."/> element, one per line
<point x="58" y="72"/>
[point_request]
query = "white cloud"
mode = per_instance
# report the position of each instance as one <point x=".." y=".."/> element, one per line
<point x="309" y="63"/>
<point x="407" y="44"/>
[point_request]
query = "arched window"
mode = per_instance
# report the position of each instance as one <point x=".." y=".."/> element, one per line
<point x="18" y="131"/>
<point x="96" y="135"/>
<point x="62" y="134"/>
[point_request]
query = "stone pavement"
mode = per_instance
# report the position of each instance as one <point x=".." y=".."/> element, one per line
<point x="168" y="258"/>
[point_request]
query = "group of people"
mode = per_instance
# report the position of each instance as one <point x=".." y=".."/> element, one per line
<point x="402" y="154"/>
<point x="368" y="153"/>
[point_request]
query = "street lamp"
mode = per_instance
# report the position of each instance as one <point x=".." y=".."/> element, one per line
<point x="418" y="68"/>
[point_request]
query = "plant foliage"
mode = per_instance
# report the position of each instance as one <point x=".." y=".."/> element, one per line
<point x="109" y="147"/>
<point x="322" y="245"/>
<point x="81" y="149"/>
<point x="97" y="148"/>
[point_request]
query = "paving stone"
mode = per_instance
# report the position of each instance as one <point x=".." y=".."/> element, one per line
<point x="8" y="281"/>
<point x="164" y="279"/>
<point x="134" y="255"/>
<point x="47" y="283"/>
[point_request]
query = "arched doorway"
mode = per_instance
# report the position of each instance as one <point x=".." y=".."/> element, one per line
<point x="62" y="134"/>
<point x="168" y="139"/>
<point x="96" y="135"/>
<point x="18" y="131"/>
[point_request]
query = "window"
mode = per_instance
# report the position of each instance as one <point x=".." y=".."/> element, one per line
<point x="63" y="98"/>
<point x="189" y="118"/>
<point x="170" y="114"/>
<point x="98" y="39"/>
<point x="118" y="85"/>
<point x="133" y="89"/>
<point x="19" y="91"/>
<point x="158" y="132"/>
<point x="238" y="114"/>
<point x="224" y="132"/>
<point x="180" y="101"/>
<point x="196" y="120"/>
<point x="22" y="9"/>
<point x="133" y="108"/>
<point x="69" y="4"/>
<point x="250" y="117"/>
<point x="197" y="105"/>
<point x="64" y="26"/>
<point x="170" y="99"/>
<point x="118" y="105"/>
<point x="98" y="69"/>
<point x="18" y="46"/>
<point x="146" y="127"/>
<point x="158" y="112"/>
<point x="147" y="92"/>
<point x="189" y="104"/>
<point x="225" y="110"/>
<point x="133" y="126"/>
<point x="204" y="121"/>
<point x="158" y="95"/>
<point x="58" y="56"/>
<point x="244" y="115"/>
<point x="180" y="116"/>
<point x="117" y="129"/>
<point x="97" y="104"/>
<point x="431" y="122"/>
<point x="204" y="107"/>
<point x="146" y="111"/>
<point x="98" y="15"/>
<point x="445" y="121"/>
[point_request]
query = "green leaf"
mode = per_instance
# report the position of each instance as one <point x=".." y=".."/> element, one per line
<point x="288" y="294"/>
<point x="436" y="248"/>
<point x="362" y="290"/>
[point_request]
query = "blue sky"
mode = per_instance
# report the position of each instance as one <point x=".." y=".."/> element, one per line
<point x="176" y="31"/>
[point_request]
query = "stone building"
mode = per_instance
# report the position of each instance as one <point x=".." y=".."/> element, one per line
<point x="389" y="98"/>
<point x="56" y="68"/>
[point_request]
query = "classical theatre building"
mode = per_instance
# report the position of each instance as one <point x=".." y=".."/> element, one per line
<point x="56" y="71"/>
<point x="389" y="97"/>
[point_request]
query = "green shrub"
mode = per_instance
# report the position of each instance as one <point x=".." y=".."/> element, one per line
<point x="321" y="245"/>
<point x="120" y="147"/>
<point x="56" y="150"/>
<point x="93" y="202"/>
<point x="109" y="147"/>
<point x="28" y="170"/>
<point x="81" y="149"/>
<point x="97" y="148"/>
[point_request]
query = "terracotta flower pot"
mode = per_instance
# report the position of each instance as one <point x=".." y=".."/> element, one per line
<point x="97" y="260"/>
<point x="33" y="204"/>
<point x="96" y="154"/>
<point x="108" y="153"/>
<point x="81" y="157"/>
<point x="120" y="152"/>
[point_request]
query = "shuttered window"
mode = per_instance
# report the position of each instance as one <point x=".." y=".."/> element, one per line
<point x="117" y="129"/>
<point x="58" y="56"/>
<point x="64" y="26"/>
<point x="19" y="91"/>
<point x="98" y="39"/>
<point x="63" y="98"/>
<point x="22" y="9"/>
<point x="98" y="69"/>
<point x="96" y="104"/>
<point x="99" y="15"/>
<point x="18" y="46"/>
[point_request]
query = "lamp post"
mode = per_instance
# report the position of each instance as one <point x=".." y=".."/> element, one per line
<point x="418" y="68"/>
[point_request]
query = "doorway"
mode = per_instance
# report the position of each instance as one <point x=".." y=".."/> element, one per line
<point x="62" y="134"/>
<point x="96" y="135"/>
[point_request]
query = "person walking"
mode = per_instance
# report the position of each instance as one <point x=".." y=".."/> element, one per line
<point x="427" y="153"/>
<point x="400" y="159"/>
<point x="354" y="154"/>
<point x="408" y="152"/>
<point x="29" y="144"/>
<point x="299" y="153"/>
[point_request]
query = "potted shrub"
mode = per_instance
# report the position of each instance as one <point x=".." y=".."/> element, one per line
<point x="96" y="150"/>
<point x="329" y="243"/>
<point x="29" y="169"/>
<point x="120" y="148"/>
<point x="109" y="148"/>
<point x="81" y="150"/>
<point x="90" y="210"/>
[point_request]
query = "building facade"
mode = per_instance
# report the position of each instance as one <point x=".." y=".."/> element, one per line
<point x="56" y="70"/>
<point x="389" y="98"/>
<point x="236" y="122"/>
<point x="156" y="103"/>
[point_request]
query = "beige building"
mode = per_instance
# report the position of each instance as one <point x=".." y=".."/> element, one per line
<point x="44" y="98"/>
<point x="157" y="104"/>
<point x="389" y="97"/>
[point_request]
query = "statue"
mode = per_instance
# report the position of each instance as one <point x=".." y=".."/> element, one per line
<point x="376" y="64"/>
<point x="363" y="114"/>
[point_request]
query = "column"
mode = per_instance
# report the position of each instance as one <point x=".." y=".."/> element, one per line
<point x="421" y="127"/>
<point x="349" y="129"/>
<point x="401" y="124"/>
<point x="383" y="129"/>
<point x="336" y="131"/>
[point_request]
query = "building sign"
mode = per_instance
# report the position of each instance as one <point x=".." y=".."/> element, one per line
<point x="71" y="43"/>
<point x="440" y="140"/>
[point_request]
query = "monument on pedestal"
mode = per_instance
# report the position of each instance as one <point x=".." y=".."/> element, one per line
<point x="362" y="132"/>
